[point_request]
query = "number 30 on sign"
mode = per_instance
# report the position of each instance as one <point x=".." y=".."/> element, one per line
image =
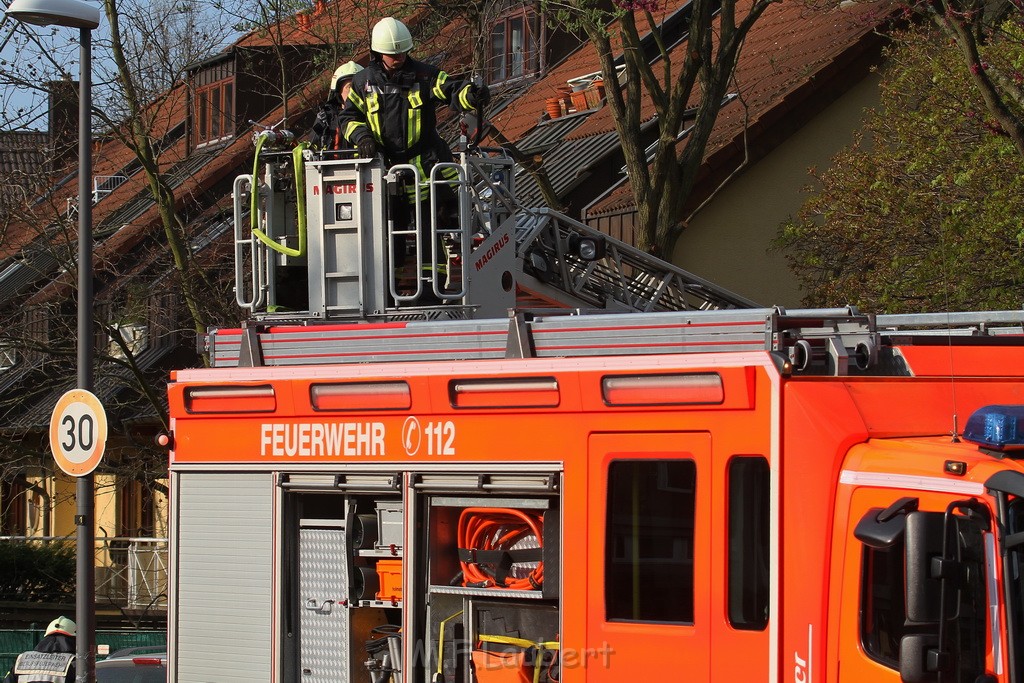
<point x="78" y="432"/>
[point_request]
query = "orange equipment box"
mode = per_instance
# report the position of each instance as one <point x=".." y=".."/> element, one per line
<point x="390" y="573"/>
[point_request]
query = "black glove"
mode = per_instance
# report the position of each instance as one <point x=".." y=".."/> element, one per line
<point x="367" y="147"/>
<point x="320" y="128"/>
<point x="480" y="94"/>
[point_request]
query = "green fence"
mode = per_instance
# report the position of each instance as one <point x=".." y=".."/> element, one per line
<point x="15" y="641"/>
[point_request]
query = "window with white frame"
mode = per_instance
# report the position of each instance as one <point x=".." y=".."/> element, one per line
<point x="513" y="51"/>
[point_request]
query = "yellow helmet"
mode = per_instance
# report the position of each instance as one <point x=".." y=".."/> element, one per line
<point x="62" y="625"/>
<point x="343" y="73"/>
<point x="390" y="37"/>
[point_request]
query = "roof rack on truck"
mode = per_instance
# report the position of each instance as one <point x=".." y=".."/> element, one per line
<point x="816" y="341"/>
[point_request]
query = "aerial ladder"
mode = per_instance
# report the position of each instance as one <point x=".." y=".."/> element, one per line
<point x="316" y="253"/>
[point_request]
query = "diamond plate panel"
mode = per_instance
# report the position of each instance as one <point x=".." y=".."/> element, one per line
<point x="324" y="622"/>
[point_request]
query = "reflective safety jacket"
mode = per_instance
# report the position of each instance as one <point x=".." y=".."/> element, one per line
<point x="53" y="661"/>
<point x="399" y="111"/>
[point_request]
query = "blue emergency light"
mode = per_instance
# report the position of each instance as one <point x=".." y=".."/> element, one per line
<point x="999" y="428"/>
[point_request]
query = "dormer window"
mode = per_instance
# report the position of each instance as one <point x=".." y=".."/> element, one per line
<point x="213" y="103"/>
<point x="513" y="44"/>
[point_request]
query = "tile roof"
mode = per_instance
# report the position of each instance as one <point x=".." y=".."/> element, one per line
<point x="111" y="157"/>
<point x="23" y="160"/>
<point x="116" y="386"/>
<point x="349" y="22"/>
<point x="22" y="150"/>
<point x="324" y="23"/>
<point x="520" y="117"/>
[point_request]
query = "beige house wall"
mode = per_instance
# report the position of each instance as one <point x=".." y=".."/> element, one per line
<point x="106" y="505"/>
<point x="728" y="242"/>
<point x="62" y="520"/>
<point x="63" y="507"/>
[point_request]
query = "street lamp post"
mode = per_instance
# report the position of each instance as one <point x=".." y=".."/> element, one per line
<point x="85" y="17"/>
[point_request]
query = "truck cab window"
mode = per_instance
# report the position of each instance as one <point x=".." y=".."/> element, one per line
<point x="649" y="541"/>
<point x="749" y="542"/>
<point x="883" y="605"/>
<point x="923" y="604"/>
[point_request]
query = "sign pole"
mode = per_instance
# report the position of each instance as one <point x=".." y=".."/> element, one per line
<point x="85" y="491"/>
<point x="78" y="438"/>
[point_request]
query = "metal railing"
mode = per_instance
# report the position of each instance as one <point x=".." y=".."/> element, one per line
<point x="102" y="185"/>
<point x="131" y="573"/>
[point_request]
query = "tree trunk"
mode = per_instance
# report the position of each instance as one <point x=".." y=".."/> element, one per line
<point x="141" y="144"/>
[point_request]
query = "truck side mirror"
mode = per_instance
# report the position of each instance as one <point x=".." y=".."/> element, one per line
<point x="880" y="529"/>
<point x="924" y="535"/>
<point x="920" y="659"/>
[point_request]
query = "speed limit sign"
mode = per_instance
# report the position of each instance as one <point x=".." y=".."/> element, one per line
<point x="78" y="432"/>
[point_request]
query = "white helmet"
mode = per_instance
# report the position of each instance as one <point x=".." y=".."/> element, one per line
<point x="62" y="625"/>
<point x="343" y="73"/>
<point x="390" y="37"/>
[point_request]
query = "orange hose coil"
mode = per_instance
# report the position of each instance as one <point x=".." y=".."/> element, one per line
<point x="487" y="529"/>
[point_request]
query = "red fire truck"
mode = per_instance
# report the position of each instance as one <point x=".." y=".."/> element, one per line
<point x="657" y="479"/>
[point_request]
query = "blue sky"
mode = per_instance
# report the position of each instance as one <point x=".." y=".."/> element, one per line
<point x="36" y="54"/>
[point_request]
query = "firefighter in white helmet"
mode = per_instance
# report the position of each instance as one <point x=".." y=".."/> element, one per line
<point x="391" y="110"/>
<point x="52" y="660"/>
<point x="326" y="132"/>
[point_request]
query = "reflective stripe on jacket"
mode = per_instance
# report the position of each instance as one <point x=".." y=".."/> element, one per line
<point x="399" y="111"/>
<point x="43" y="667"/>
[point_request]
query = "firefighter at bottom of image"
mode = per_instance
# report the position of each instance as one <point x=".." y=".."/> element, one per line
<point x="52" y="660"/>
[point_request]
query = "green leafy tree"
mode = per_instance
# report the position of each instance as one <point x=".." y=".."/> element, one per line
<point x="923" y="211"/>
<point x="980" y="32"/>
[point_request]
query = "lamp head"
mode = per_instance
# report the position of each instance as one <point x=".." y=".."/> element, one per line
<point x="71" y="13"/>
